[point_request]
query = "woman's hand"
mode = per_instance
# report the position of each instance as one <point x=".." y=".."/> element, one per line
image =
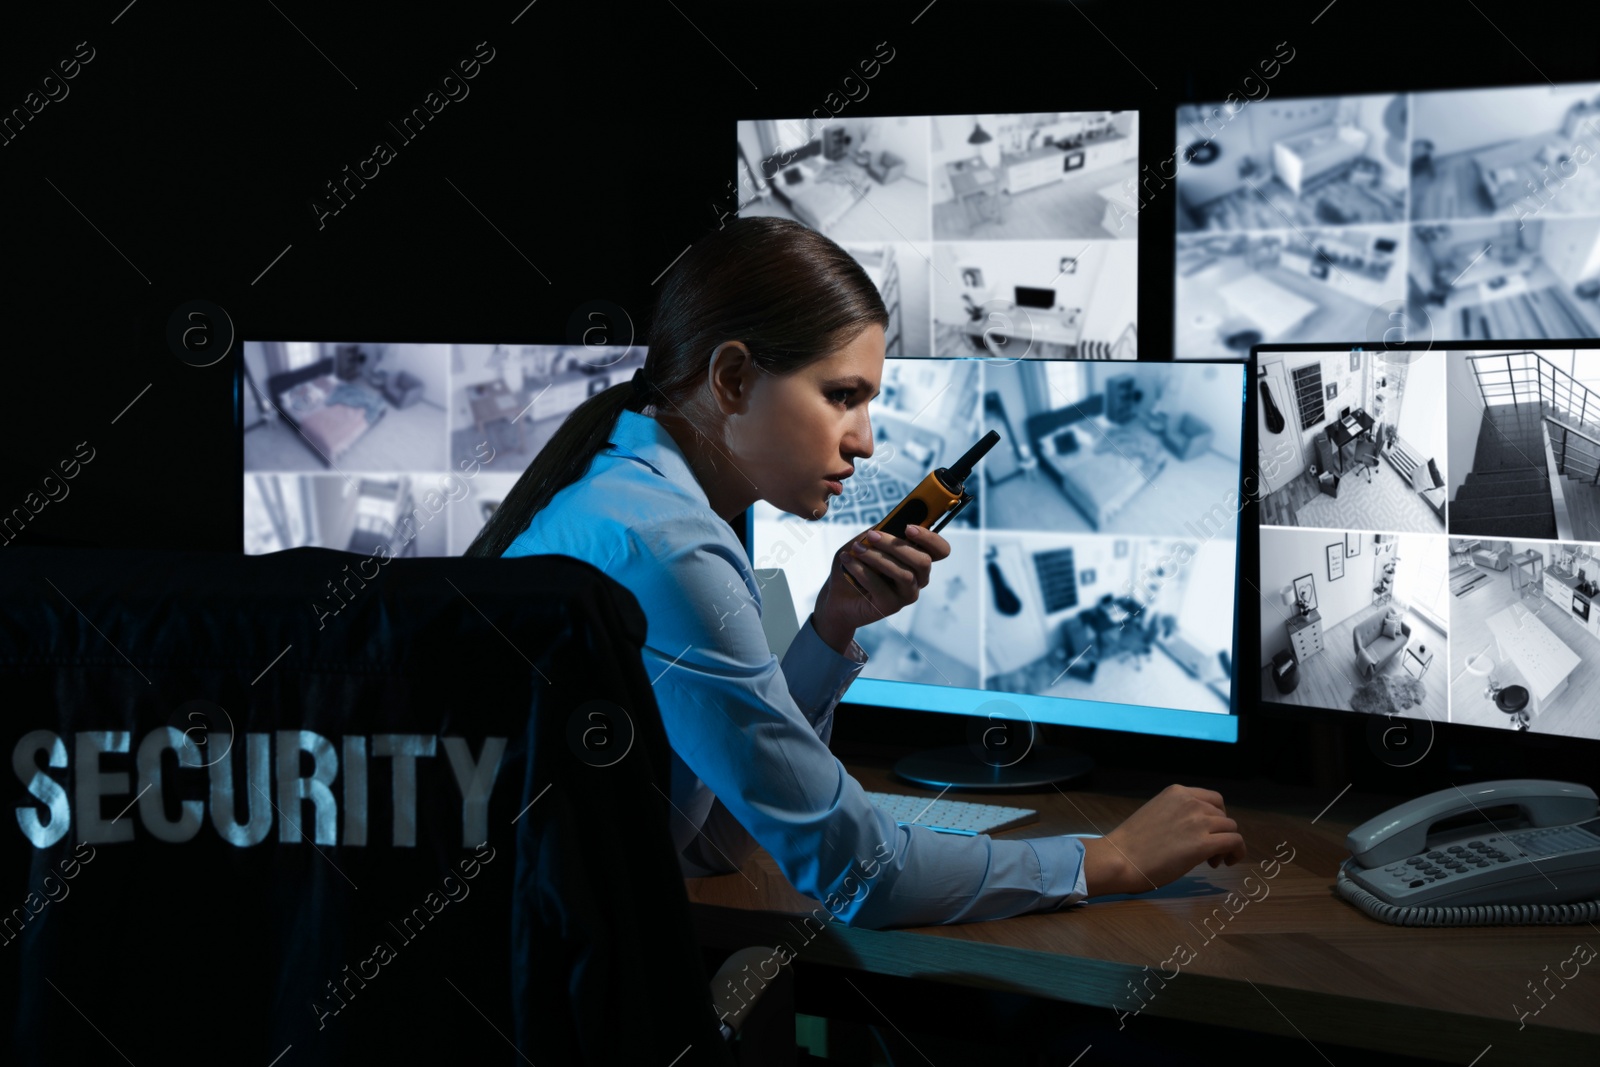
<point x="1161" y="842"/>
<point x="893" y="571"/>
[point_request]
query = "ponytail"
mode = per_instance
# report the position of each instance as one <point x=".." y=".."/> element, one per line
<point x="785" y="291"/>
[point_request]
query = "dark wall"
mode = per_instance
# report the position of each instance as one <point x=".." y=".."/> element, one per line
<point x="593" y="147"/>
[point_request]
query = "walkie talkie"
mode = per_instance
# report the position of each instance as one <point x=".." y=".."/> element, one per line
<point x="938" y="499"/>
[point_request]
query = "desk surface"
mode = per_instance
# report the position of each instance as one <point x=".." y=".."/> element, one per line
<point x="1286" y="956"/>
<point x="1341" y="436"/>
<point x="1026" y="324"/>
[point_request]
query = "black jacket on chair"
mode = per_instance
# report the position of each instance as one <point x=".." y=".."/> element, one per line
<point x="336" y="809"/>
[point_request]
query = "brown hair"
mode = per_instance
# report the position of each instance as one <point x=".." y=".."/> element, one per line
<point x="788" y="293"/>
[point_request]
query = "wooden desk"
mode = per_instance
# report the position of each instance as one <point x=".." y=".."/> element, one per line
<point x="1041" y="334"/>
<point x="1293" y="959"/>
<point x="1338" y="436"/>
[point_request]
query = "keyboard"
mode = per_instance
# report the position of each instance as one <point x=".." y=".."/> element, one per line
<point x="952" y="816"/>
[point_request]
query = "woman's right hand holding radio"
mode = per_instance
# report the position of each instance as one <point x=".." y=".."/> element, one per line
<point x="892" y="570"/>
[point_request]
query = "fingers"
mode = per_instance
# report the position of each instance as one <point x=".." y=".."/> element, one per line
<point x="1235" y="849"/>
<point x="931" y="543"/>
<point x="919" y="550"/>
<point x="1209" y="796"/>
<point x="906" y="579"/>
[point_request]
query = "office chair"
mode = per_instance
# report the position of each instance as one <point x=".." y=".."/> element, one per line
<point x="553" y="942"/>
<point x="1366" y="454"/>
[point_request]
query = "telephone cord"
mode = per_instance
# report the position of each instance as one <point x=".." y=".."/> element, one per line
<point x="1473" y="915"/>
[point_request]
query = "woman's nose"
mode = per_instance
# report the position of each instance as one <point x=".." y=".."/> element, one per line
<point x="861" y="442"/>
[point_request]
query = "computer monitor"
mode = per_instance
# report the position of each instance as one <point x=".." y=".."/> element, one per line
<point x="953" y="216"/>
<point x="1091" y="582"/>
<point x="410" y="447"/>
<point x="1035" y="298"/>
<point x="1455" y="215"/>
<point x="1433" y="563"/>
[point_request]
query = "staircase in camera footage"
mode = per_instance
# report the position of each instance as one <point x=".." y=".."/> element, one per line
<point x="1533" y="412"/>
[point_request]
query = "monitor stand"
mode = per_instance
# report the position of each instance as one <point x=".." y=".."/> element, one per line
<point x="980" y="765"/>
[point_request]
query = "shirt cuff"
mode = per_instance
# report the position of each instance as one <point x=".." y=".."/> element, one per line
<point x="1061" y="871"/>
<point x="816" y="674"/>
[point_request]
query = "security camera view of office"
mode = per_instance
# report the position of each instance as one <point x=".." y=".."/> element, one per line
<point x="401" y="449"/>
<point x="1353" y="440"/>
<point x="1453" y="215"/>
<point x="1097" y="559"/>
<point x="1004" y="235"/>
<point x="1364" y="619"/>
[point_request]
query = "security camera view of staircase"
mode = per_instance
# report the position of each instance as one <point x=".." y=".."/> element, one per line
<point x="1535" y="460"/>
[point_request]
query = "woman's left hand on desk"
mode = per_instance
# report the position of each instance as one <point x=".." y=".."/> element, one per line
<point x="893" y="571"/>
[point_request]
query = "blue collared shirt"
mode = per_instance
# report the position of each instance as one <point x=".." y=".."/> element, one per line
<point x="749" y="736"/>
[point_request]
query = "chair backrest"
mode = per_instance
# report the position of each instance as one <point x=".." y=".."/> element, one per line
<point x="432" y="803"/>
<point x="779" y="619"/>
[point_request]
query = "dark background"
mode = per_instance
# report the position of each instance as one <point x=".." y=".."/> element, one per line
<point x="591" y="151"/>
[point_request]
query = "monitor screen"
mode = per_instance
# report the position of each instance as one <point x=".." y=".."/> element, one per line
<point x="962" y="220"/>
<point x="1035" y="298"/>
<point x="1457" y="215"/>
<point x="1431" y="560"/>
<point x="1091" y="582"/>
<point x="408" y="446"/>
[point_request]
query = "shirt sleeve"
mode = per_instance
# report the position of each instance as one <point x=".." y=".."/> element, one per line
<point x="734" y="720"/>
<point x="817" y="677"/>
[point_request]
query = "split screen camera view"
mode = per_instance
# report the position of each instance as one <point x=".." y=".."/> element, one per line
<point x="1430" y="538"/>
<point x="1096" y="561"/>
<point x="1460" y="215"/>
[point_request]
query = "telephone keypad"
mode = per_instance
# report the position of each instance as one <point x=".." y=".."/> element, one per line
<point x="1436" y="865"/>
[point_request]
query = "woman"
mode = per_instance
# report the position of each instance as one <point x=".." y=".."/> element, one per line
<point x="766" y="345"/>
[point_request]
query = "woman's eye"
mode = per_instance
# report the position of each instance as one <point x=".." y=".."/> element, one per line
<point x="844" y="393"/>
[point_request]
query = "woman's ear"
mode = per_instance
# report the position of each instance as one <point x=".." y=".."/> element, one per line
<point x="730" y="374"/>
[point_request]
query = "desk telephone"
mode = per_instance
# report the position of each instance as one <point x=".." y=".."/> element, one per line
<point x="1451" y="859"/>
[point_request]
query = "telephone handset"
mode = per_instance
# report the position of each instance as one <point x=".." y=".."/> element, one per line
<point x="1449" y="858"/>
<point x="936" y="500"/>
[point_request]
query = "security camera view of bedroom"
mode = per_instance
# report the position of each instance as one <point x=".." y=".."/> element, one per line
<point x="1452" y="215"/>
<point x="1370" y="604"/>
<point x="405" y="449"/>
<point x="1097" y="559"/>
<point x="1013" y="236"/>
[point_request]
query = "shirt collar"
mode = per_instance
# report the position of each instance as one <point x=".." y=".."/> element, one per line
<point x="646" y="440"/>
